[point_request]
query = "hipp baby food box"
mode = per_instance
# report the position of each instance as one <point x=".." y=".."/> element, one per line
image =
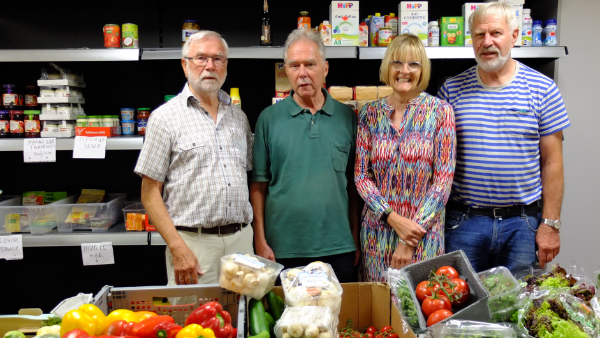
<point x="452" y="31"/>
<point x="414" y="19"/>
<point x="344" y="19"/>
<point x="468" y="9"/>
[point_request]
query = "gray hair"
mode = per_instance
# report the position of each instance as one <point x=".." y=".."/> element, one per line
<point x="196" y="37"/>
<point x="303" y="34"/>
<point x="503" y="9"/>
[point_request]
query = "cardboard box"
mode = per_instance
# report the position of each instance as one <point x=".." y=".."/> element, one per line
<point x="340" y="93"/>
<point x="96" y="131"/>
<point x="468" y="9"/>
<point x="452" y="31"/>
<point x="414" y="19"/>
<point x="383" y="91"/>
<point x="365" y="93"/>
<point x="344" y="19"/>
<point x="282" y="84"/>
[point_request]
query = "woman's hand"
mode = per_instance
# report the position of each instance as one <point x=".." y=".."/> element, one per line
<point x="408" y="230"/>
<point x="402" y="256"/>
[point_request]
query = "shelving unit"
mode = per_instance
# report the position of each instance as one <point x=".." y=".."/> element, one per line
<point x="133" y="142"/>
<point x="116" y="234"/>
<point x="248" y="53"/>
<point x="62" y="55"/>
<point x="376" y="53"/>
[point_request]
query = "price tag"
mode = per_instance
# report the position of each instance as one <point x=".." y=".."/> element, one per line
<point x="249" y="262"/>
<point x="316" y="279"/>
<point x="97" y="253"/>
<point x="89" y="147"/>
<point x="39" y="150"/>
<point x="11" y="247"/>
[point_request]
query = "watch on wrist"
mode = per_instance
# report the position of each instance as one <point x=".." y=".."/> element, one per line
<point x="386" y="214"/>
<point x="551" y="223"/>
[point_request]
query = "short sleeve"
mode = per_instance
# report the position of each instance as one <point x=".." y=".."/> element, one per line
<point x="553" y="114"/>
<point x="156" y="151"/>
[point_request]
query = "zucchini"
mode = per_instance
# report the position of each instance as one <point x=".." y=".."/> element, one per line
<point x="275" y="307"/>
<point x="263" y="334"/>
<point x="258" y="320"/>
<point x="270" y="320"/>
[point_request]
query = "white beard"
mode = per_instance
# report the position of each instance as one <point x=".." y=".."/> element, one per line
<point x="207" y="86"/>
<point x="495" y="64"/>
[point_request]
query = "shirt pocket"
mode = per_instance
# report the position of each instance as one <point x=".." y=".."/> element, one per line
<point x="240" y="147"/>
<point x="195" y="152"/>
<point x="339" y="156"/>
<point x="519" y="122"/>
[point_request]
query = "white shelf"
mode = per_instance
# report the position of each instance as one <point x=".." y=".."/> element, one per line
<point x="61" y="99"/>
<point x="133" y="142"/>
<point x="63" y="82"/>
<point x="155" y="238"/>
<point x="248" y="53"/>
<point x="376" y="53"/>
<point x="59" y="117"/>
<point x="116" y="234"/>
<point x="56" y="55"/>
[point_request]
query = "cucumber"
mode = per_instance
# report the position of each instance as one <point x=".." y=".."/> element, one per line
<point x="258" y="320"/>
<point x="264" y="334"/>
<point x="275" y="307"/>
<point x="270" y="320"/>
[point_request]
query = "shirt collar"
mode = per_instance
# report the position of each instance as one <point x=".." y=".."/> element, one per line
<point x="295" y="109"/>
<point x="389" y="108"/>
<point x="221" y="95"/>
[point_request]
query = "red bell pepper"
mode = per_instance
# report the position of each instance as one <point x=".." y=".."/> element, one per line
<point x="167" y="330"/>
<point x="146" y="328"/>
<point x="120" y="328"/>
<point x="211" y="316"/>
<point x="234" y="333"/>
<point x="77" y="333"/>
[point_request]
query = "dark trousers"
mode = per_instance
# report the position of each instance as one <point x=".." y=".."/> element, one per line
<point x="342" y="264"/>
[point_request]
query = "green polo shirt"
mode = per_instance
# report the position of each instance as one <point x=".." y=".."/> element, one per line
<point x="308" y="161"/>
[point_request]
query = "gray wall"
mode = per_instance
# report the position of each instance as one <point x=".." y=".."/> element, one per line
<point x="579" y="82"/>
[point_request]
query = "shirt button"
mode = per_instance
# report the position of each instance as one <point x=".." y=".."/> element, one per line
<point x="312" y="122"/>
<point x="229" y="184"/>
<point x="225" y="165"/>
<point x="221" y="148"/>
<point x="229" y="203"/>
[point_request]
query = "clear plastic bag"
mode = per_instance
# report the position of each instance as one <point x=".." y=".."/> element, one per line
<point x="466" y="329"/>
<point x="313" y="285"/>
<point x="403" y="299"/>
<point x="307" y="322"/>
<point x="504" y="292"/>
<point x="248" y="274"/>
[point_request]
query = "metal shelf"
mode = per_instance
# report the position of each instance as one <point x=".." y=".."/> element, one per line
<point x="376" y="53"/>
<point x="133" y="142"/>
<point x="155" y="238"/>
<point x="52" y="55"/>
<point x="248" y="53"/>
<point x="116" y="234"/>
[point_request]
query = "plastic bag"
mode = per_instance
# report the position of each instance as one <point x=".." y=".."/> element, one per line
<point x="248" y="274"/>
<point x="307" y="322"/>
<point x="313" y="285"/>
<point x="403" y="299"/>
<point x="465" y="329"/>
<point x="504" y="292"/>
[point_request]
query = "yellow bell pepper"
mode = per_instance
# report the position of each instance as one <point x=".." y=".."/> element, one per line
<point x="195" y="331"/>
<point x="77" y="319"/>
<point x="122" y="314"/>
<point x="97" y="316"/>
<point x="145" y="314"/>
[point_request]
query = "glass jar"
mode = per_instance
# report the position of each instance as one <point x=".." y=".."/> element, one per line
<point x="4" y="124"/>
<point x="304" y="21"/>
<point x="10" y="98"/>
<point x="128" y="127"/>
<point x="50" y="126"/>
<point x="82" y="121"/>
<point x="189" y="27"/>
<point x="32" y="123"/>
<point x="63" y="91"/>
<point x="107" y="121"/>
<point x="93" y="121"/>
<point x="17" y="123"/>
<point x="31" y="96"/>
<point x="64" y="109"/>
<point x="46" y="91"/>
<point x="117" y="124"/>
<point x="143" y="113"/>
<point x="66" y="126"/>
<point x="49" y="108"/>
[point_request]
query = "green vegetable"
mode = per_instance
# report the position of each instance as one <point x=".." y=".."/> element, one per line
<point x="275" y="308"/>
<point x="258" y="319"/>
<point x="263" y="334"/>
<point x="52" y="321"/>
<point x="550" y="319"/>
<point x="409" y="311"/>
<point x="271" y="323"/>
<point x="14" y="334"/>
<point x="556" y="282"/>
<point x="498" y="283"/>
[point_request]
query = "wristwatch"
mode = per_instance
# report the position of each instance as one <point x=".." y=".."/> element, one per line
<point x="552" y="223"/>
<point x="386" y="214"/>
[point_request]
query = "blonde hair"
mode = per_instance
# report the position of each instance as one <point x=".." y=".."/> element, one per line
<point x="503" y="9"/>
<point x="400" y="48"/>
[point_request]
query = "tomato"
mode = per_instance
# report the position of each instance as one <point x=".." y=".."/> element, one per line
<point x="379" y="336"/>
<point x="423" y="290"/>
<point x="437" y="316"/>
<point x="462" y="288"/>
<point x="431" y="305"/>
<point x="368" y="335"/>
<point x="386" y="329"/>
<point x="392" y="335"/>
<point x="356" y="334"/>
<point x="439" y="292"/>
<point x="372" y="330"/>
<point x="448" y="271"/>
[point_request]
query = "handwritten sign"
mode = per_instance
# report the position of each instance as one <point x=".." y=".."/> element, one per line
<point x="11" y="247"/>
<point x="39" y="150"/>
<point x="97" y="253"/>
<point x="89" y="147"/>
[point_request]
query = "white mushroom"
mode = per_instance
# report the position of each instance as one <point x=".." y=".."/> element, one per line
<point x="292" y="274"/>
<point x="230" y="269"/>
<point x="250" y="281"/>
<point x="311" y="331"/>
<point x="296" y="330"/>
<point x="325" y="334"/>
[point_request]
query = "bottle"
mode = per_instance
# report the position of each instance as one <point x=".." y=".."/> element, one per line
<point x="363" y="34"/>
<point x="536" y="33"/>
<point x="325" y="32"/>
<point x="376" y="23"/>
<point x="10" y="98"/>
<point x="265" y="37"/>
<point x="550" y="33"/>
<point x="235" y="97"/>
<point x="391" y="21"/>
<point x="434" y="34"/>
<point x="4" y="123"/>
<point x="527" y="26"/>
<point x="32" y="123"/>
<point x="304" y="21"/>
<point x="189" y="27"/>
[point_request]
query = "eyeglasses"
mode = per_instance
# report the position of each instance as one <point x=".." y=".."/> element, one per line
<point x="201" y="60"/>
<point x="412" y="66"/>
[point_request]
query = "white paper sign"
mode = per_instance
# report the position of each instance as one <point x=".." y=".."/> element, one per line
<point x="89" y="147"/>
<point x="39" y="150"/>
<point x="97" y="253"/>
<point x="11" y="247"/>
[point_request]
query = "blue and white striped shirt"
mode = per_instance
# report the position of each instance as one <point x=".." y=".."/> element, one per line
<point x="498" y="132"/>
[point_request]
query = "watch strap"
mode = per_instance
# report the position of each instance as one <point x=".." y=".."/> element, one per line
<point x="552" y="223"/>
<point x="386" y="214"/>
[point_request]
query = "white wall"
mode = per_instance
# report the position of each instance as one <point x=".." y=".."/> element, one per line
<point x="579" y="82"/>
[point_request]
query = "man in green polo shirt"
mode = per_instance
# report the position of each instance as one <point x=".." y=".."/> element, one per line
<point x="302" y="192"/>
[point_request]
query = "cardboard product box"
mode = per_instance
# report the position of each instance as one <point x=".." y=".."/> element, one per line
<point x="452" y="31"/>
<point x="365" y="93"/>
<point x="414" y="19"/>
<point x="282" y="84"/>
<point x="467" y="9"/>
<point x="341" y="93"/>
<point x="383" y="91"/>
<point x="344" y="19"/>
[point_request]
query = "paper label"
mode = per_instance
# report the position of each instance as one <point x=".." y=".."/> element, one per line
<point x="11" y="247"/>
<point x="97" y="253"/>
<point x="249" y="262"/>
<point x="39" y="150"/>
<point x="316" y="279"/>
<point x="89" y="147"/>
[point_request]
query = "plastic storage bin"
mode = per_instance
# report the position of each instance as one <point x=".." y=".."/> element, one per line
<point x="97" y="217"/>
<point x="132" y="216"/>
<point x="504" y="292"/>
<point x="35" y="219"/>
<point x="248" y="274"/>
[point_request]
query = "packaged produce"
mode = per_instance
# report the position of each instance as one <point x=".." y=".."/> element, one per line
<point x="33" y="197"/>
<point x="248" y="274"/>
<point x="403" y="299"/>
<point x="471" y="329"/>
<point x="577" y="284"/>
<point x="308" y="322"/>
<point x="313" y="285"/>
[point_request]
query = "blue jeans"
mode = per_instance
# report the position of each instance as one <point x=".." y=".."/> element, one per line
<point x="489" y="242"/>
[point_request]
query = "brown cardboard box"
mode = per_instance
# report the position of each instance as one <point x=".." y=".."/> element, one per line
<point x="383" y="91"/>
<point x="340" y="93"/>
<point x="365" y="93"/>
<point x="367" y="304"/>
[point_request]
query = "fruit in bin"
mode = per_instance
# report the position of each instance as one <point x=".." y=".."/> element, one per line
<point x="371" y="330"/>
<point x="447" y="271"/>
<point x="122" y="314"/>
<point x="437" y="316"/>
<point x="14" y="334"/>
<point x="97" y="316"/>
<point x="462" y="288"/>
<point x="434" y="303"/>
<point x="77" y="319"/>
<point x="424" y="289"/>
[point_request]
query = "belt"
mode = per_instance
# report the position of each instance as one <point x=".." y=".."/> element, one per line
<point x="217" y="230"/>
<point x="515" y="210"/>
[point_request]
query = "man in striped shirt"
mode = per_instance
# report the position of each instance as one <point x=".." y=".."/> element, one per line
<point x="508" y="185"/>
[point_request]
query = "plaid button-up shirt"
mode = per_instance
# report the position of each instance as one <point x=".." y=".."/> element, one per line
<point x="203" y="164"/>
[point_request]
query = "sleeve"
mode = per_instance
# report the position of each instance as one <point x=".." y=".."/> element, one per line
<point x="260" y="153"/>
<point x="444" y="162"/>
<point x="363" y="171"/>
<point x="352" y="154"/>
<point x="443" y="93"/>
<point x="249" y="143"/>
<point x="156" y="152"/>
<point x="553" y="115"/>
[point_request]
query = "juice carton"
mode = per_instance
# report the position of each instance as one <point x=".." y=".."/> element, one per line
<point x="392" y="22"/>
<point x="468" y="9"/>
<point x="414" y="19"/>
<point x="376" y="22"/>
<point x="325" y="32"/>
<point x="363" y="34"/>
<point x="452" y="31"/>
<point x="343" y="16"/>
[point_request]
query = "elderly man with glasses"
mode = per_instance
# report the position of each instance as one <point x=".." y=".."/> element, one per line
<point x="194" y="164"/>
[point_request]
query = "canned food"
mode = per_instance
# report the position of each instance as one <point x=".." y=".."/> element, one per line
<point x="130" y="35"/>
<point x="112" y="36"/>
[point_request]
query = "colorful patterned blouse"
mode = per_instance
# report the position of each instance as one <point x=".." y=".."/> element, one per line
<point x="409" y="170"/>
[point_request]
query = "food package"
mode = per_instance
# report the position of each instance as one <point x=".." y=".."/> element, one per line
<point x="307" y="322"/>
<point x="402" y="298"/>
<point x="365" y="93"/>
<point x="33" y="198"/>
<point x="282" y="84"/>
<point x="383" y="91"/>
<point x="340" y="93"/>
<point x="470" y="329"/>
<point x="91" y="196"/>
<point x="247" y="274"/>
<point x="313" y="285"/>
<point x="504" y="292"/>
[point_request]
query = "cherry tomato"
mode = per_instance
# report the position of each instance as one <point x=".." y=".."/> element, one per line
<point x="392" y="335"/>
<point x="431" y="305"/>
<point x="372" y="330"/>
<point x="423" y="290"/>
<point x="386" y="329"/>
<point x="438" y="316"/>
<point x="356" y="334"/>
<point x="462" y="288"/>
<point x="379" y="336"/>
<point x="368" y="335"/>
<point x="439" y="292"/>
<point x="448" y="271"/>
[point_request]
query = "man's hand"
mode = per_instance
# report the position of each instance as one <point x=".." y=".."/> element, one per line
<point x="263" y="249"/>
<point x="408" y="230"/>
<point x="548" y="241"/>
<point x="187" y="268"/>
<point x="402" y="256"/>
